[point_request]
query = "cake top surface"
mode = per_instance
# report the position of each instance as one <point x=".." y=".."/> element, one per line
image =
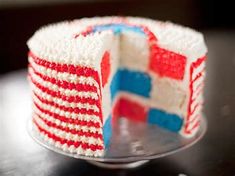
<point x="64" y="42"/>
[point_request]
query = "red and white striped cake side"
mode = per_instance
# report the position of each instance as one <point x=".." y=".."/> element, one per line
<point x="196" y="85"/>
<point x="67" y="105"/>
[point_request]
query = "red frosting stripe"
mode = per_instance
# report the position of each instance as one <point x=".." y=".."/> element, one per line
<point x="68" y="68"/>
<point x="167" y="63"/>
<point x="196" y="125"/>
<point x="151" y="37"/>
<point x="66" y="84"/>
<point x="76" y="144"/>
<point x="198" y="90"/>
<point x="70" y="99"/>
<point x="199" y="75"/>
<point x="105" y="68"/>
<point x="198" y="105"/>
<point x="198" y="62"/>
<point x="69" y="120"/>
<point x="68" y="130"/>
<point x="67" y="109"/>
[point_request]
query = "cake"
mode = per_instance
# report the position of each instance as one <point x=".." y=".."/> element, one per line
<point x="87" y="73"/>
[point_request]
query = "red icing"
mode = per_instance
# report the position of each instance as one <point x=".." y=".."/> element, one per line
<point x="65" y="68"/>
<point x="199" y="75"/>
<point x="199" y="90"/>
<point x="85" y="32"/>
<point x="151" y="37"/>
<point x="167" y="63"/>
<point x="66" y="119"/>
<point x="105" y="68"/>
<point x="193" y="66"/>
<point x="68" y="142"/>
<point x="196" y="125"/>
<point x="71" y="69"/>
<point x="196" y="106"/>
<point x="70" y="99"/>
<point x="68" y="109"/>
<point x="129" y="109"/>
<point x="66" y="84"/>
<point x="68" y="130"/>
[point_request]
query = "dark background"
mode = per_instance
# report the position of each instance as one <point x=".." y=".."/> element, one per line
<point x="214" y="155"/>
<point x="19" y="19"/>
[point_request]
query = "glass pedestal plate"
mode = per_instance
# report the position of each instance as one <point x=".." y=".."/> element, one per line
<point x="133" y="144"/>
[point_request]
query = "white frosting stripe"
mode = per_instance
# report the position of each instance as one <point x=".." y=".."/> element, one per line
<point x="59" y="101"/>
<point x="196" y="84"/>
<point x="56" y="88"/>
<point x="66" y="135"/>
<point x="83" y="128"/>
<point x="198" y="91"/>
<point x="193" y="124"/>
<point x="82" y="117"/>
<point x="54" y="109"/>
<point x="192" y="131"/>
<point x="72" y="78"/>
<point x="196" y="102"/>
<point x="86" y="106"/>
<point x="198" y="70"/>
<point x="196" y="110"/>
<point x="78" y="150"/>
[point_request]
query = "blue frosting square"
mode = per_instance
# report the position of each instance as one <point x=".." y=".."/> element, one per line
<point x="169" y="121"/>
<point x="107" y="131"/>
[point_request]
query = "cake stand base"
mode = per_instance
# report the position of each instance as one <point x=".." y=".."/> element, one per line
<point x="132" y="144"/>
<point x="130" y="165"/>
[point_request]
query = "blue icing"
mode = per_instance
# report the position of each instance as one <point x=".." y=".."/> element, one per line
<point x="135" y="82"/>
<point x="118" y="28"/>
<point x="115" y="85"/>
<point x="107" y="131"/>
<point x="170" y="121"/>
<point x="131" y="81"/>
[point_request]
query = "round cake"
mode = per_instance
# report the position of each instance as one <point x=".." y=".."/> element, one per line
<point x="85" y="74"/>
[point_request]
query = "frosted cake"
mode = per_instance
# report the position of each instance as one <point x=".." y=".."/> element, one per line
<point x="85" y="74"/>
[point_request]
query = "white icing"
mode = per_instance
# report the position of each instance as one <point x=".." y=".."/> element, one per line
<point x="170" y="36"/>
<point x="71" y="126"/>
<point x="79" y="150"/>
<point x="59" y="111"/>
<point x="195" y="116"/>
<point x="66" y="92"/>
<point x="198" y="100"/>
<point x="191" y="134"/>
<point x="61" y="102"/>
<point x="198" y="70"/>
<point x="199" y="82"/>
<point x="73" y="78"/>
<point x="179" y="39"/>
<point x="192" y="124"/>
<point x="67" y="135"/>
<point x="196" y="112"/>
<point x="197" y="92"/>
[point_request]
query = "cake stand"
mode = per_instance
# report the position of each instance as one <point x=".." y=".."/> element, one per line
<point x="133" y="144"/>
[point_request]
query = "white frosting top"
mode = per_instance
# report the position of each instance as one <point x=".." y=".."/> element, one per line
<point x="57" y="42"/>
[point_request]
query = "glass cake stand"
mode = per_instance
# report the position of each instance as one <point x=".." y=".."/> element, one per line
<point x="133" y="144"/>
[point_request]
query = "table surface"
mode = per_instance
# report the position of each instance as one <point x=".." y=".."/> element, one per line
<point x="214" y="155"/>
